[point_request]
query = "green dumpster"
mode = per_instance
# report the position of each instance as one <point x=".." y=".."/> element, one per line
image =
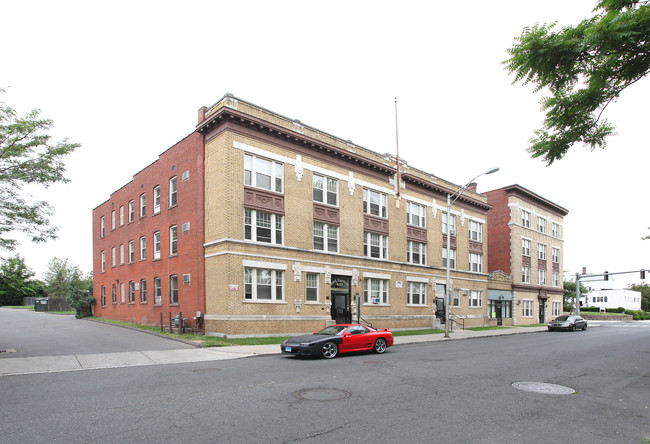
<point x="40" y="304"/>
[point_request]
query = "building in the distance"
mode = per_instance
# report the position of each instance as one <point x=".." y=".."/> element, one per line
<point x="270" y="226"/>
<point x="526" y="242"/>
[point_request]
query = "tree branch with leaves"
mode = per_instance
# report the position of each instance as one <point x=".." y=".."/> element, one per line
<point x="27" y="157"/>
<point x="584" y="68"/>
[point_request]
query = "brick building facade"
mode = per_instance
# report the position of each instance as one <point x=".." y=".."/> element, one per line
<point x="288" y="225"/>
<point x="526" y="242"/>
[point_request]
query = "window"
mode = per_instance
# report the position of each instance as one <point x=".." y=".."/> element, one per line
<point x="556" y="255"/>
<point x="121" y="216"/>
<point x="476" y="262"/>
<point x="475" y="298"/>
<point x="156" y="199"/>
<point x="525" y="247"/>
<point x="263" y="173"/>
<point x="416" y="214"/>
<point x="332" y="232"/>
<point x="157" y="291"/>
<point x="143" y="290"/>
<point x="417" y="293"/>
<point x="114" y="257"/>
<point x="121" y="254"/>
<point x="475" y="231"/>
<point x="172" y="192"/>
<point x="375" y="245"/>
<point x="375" y="203"/>
<point x="131" y="251"/>
<point x="173" y="240"/>
<point x="527" y="308"/>
<point x="375" y="291"/>
<point x="173" y="289"/>
<point x="156" y="245"/>
<point x="103" y="297"/>
<point x="122" y="293"/>
<point x="525" y="219"/>
<point x="186" y="175"/>
<point x="541" y="224"/>
<point x="452" y="255"/>
<point x="143" y="248"/>
<point x="131" y="291"/>
<point x="114" y="294"/>
<point x="113" y="220"/>
<point x="143" y="205"/>
<point x="557" y="308"/>
<point x="131" y="211"/>
<point x="103" y="259"/>
<point x="312" y="282"/>
<point x="555" y="230"/>
<point x="506" y="308"/>
<point x="525" y="275"/>
<point x="262" y="227"/>
<point x="541" y="251"/>
<point x="416" y="252"/>
<point x="556" y="279"/>
<point x="455" y="297"/>
<point x="541" y="277"/>
<point x="101" y="227"/>
<point x="452" y="224"/>
<point x="263" y="285"/>
<point x="325" y="190"/>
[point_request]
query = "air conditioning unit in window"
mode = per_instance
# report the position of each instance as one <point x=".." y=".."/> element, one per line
<point x="465" y="292"/>
<point x="186" y="227"/>
<point x="186" y="278"/>
<point x="375" y="300"/>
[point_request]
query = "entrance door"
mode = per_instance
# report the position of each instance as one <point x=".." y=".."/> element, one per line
<point x="499" y="312"/>
<point x="542" y="311"/>
<point x="340" y="296"/>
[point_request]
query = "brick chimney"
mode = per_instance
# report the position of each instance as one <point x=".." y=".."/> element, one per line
<point x="202" y="111"/>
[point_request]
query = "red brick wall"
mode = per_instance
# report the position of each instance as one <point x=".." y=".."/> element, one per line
<point x="186" y="156"/>
<point x="499" y="232"/>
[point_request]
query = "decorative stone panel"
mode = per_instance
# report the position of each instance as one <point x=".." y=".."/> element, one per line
<point x="375" y="224"/>
<point x="257" y="199"/>
<point x="452" y="239"/>
<point x="475" y="247"/>
<point x="417" y="234"/>
<point x="525" y="261"/>
<point x="326" y="214"/>
<point x="556" y="267"/>
<point x="541" y="263"/>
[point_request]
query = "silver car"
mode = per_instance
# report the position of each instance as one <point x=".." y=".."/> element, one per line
<point x="568" y="322"/>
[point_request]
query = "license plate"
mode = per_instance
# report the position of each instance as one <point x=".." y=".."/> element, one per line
<point x="287" y="349"/>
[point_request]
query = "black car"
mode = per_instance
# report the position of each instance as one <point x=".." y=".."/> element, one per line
<point x="568" y="322"/>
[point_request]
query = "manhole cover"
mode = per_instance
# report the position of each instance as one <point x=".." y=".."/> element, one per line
<point x="322" y="394"/>
<point x="543" y="387"/>
<point x="7" y="350"/>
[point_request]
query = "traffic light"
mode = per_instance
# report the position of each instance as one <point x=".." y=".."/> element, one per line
<point x="642" y="274"/>
<point x="606" y="275"/>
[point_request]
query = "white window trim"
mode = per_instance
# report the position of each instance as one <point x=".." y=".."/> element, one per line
<point x="274" y="285"/>
<point x="425" y="295"/>
<point x="156" y="193"/>
<point x="532" y="308"/>
<point x="325" y="189"/>
<point x="317" y="301"/>
<point x="326" y="237"/>
<point x="253" y="225"/>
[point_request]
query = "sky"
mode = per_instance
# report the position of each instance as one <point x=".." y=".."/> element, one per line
<point x="126" y="79"/>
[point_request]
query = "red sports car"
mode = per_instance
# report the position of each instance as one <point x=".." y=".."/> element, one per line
<point x="340" y="338"/>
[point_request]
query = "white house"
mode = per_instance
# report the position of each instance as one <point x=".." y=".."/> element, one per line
<point x="610" y="298"/>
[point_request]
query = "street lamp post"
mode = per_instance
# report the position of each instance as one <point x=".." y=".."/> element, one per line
<point x="450" y="202"/>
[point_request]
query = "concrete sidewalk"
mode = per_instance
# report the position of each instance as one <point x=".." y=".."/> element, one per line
<point x="66" y="363"/>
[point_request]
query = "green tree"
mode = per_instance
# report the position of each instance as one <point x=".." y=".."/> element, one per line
<point x="570" y="293"/>
<point x="645" y="295"/>
<point x="27" y="157"/>
<point x="65" y="282"/>
<point x="16" y="282"/>
<point x="585" y="68"/>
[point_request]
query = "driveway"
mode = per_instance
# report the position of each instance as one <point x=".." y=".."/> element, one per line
<point x="34" y="334"/>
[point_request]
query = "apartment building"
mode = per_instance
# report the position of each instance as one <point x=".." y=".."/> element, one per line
<point x="526" y="242"/>
<point x="290" y="228"/>
<point x="148" y="241"/>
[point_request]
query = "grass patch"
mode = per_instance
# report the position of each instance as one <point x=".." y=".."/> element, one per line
<point x="596" y="313"/>
<point x="430" y="331"/>
<point x="493" y="327"/>
<point x="24" y="307"/>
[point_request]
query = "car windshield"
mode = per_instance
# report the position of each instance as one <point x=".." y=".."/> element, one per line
<point x="562" y="318"/>
<point x="331" y="330"/>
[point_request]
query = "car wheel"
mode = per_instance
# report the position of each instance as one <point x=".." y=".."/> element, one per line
<point x="330" y="350"/>
<point x="573" y="327"/>
<point x="380" y="346"/>
<point x="584" y="327"/>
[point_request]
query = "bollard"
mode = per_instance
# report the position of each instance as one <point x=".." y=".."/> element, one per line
<point x="161" y="324"/>
<point x="170" y="321"/>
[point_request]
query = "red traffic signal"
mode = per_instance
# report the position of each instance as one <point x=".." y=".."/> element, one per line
<point x="606" y="274"/>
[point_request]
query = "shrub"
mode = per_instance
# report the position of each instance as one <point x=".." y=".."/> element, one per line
<point x="637" y="315"/>
<point x="597" y="309"/>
